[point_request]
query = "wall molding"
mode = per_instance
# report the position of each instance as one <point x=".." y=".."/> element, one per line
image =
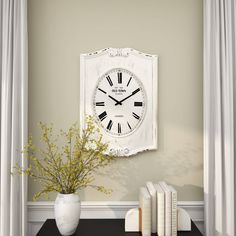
<point x="38" y="212"/>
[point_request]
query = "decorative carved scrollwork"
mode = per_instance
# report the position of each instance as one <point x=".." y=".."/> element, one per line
<point x="120" y="52"/>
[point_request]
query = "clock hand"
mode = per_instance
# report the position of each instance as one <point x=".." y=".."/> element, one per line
<point x="117" y="102"/>
<point x="134" y="92"/>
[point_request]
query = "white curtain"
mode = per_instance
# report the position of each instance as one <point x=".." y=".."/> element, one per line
<point x="219" y="117"/>
<point x="13" y="92"/>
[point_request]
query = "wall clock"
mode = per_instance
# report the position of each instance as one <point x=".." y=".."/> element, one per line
<point x="119" y="88"/>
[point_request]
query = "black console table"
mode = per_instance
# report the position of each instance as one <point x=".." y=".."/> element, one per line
<point x="101" y="227"/>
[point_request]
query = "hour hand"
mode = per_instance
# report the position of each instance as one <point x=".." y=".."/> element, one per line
<point x="117" y="102"/>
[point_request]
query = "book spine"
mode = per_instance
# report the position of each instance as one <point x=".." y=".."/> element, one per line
<point x="146" y="218"/>
<point x="145" y="204"/>
<point x="174" y="213"/>
<point x="168" y="209"/>
<point x="161" y="214"/>
<point x="153" y="194"/>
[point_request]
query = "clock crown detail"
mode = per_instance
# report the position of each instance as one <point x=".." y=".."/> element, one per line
<point x="122" y="52"/>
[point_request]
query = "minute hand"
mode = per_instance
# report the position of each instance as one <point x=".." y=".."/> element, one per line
<point x="134" y="92"/>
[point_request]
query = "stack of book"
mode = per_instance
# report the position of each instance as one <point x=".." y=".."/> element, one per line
<point x="158" y="204"/>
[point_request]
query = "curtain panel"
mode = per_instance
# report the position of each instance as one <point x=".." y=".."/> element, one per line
<point x="13" y="92"/>
<point x="219" y="117"/>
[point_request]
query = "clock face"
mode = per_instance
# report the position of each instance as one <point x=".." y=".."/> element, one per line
<point x="119" y="102"/>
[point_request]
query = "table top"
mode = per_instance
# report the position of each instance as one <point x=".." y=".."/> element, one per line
<point x="102" y="227"/>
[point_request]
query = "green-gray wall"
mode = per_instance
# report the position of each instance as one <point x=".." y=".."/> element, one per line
<point x="59" y="30"/>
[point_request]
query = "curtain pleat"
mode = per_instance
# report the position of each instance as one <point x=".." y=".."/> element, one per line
<point x="14" y="92"/>
<point x="219" y="117"/>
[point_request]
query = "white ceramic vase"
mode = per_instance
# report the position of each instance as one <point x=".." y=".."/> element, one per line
<point x="67" y="213"/>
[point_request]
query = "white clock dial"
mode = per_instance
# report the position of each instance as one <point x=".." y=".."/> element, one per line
<point x="119" y="102"/>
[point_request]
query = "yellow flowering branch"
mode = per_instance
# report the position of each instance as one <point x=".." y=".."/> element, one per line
<point x="70" y="167"/>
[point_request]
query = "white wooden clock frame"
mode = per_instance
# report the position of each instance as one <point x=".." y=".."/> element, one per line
<point x="94" y="65"/>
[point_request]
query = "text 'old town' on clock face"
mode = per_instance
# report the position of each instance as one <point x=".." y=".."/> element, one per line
<point x="119" y="102"/>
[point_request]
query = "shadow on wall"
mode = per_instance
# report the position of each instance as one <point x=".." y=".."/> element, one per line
<point x="174" y="167"/>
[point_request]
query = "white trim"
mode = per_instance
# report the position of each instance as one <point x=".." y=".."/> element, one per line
<point x="155" y="105"/>
<point x="38" y="212"/>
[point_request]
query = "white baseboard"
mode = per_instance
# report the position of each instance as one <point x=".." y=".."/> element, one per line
<point x="38" y="212"/>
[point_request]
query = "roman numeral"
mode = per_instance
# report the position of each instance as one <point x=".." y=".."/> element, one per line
<point x="138" y="104"/>
<point x="100" y="104"/>
<point x="109" y="125"/>
<point x="102" y="116"/>
<point x="135" y="91"/>
<point x="119" y="74"/>
<point x="102" y="90"/>
<point x="128" y="125"/>
<point x="129" y="81"/>
<point x="136" y="116"/>
<point x="109" y="80"/>
<point x="119" y="128"/>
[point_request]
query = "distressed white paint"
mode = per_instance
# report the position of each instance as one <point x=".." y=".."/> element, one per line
<point x="144" y="66"/>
